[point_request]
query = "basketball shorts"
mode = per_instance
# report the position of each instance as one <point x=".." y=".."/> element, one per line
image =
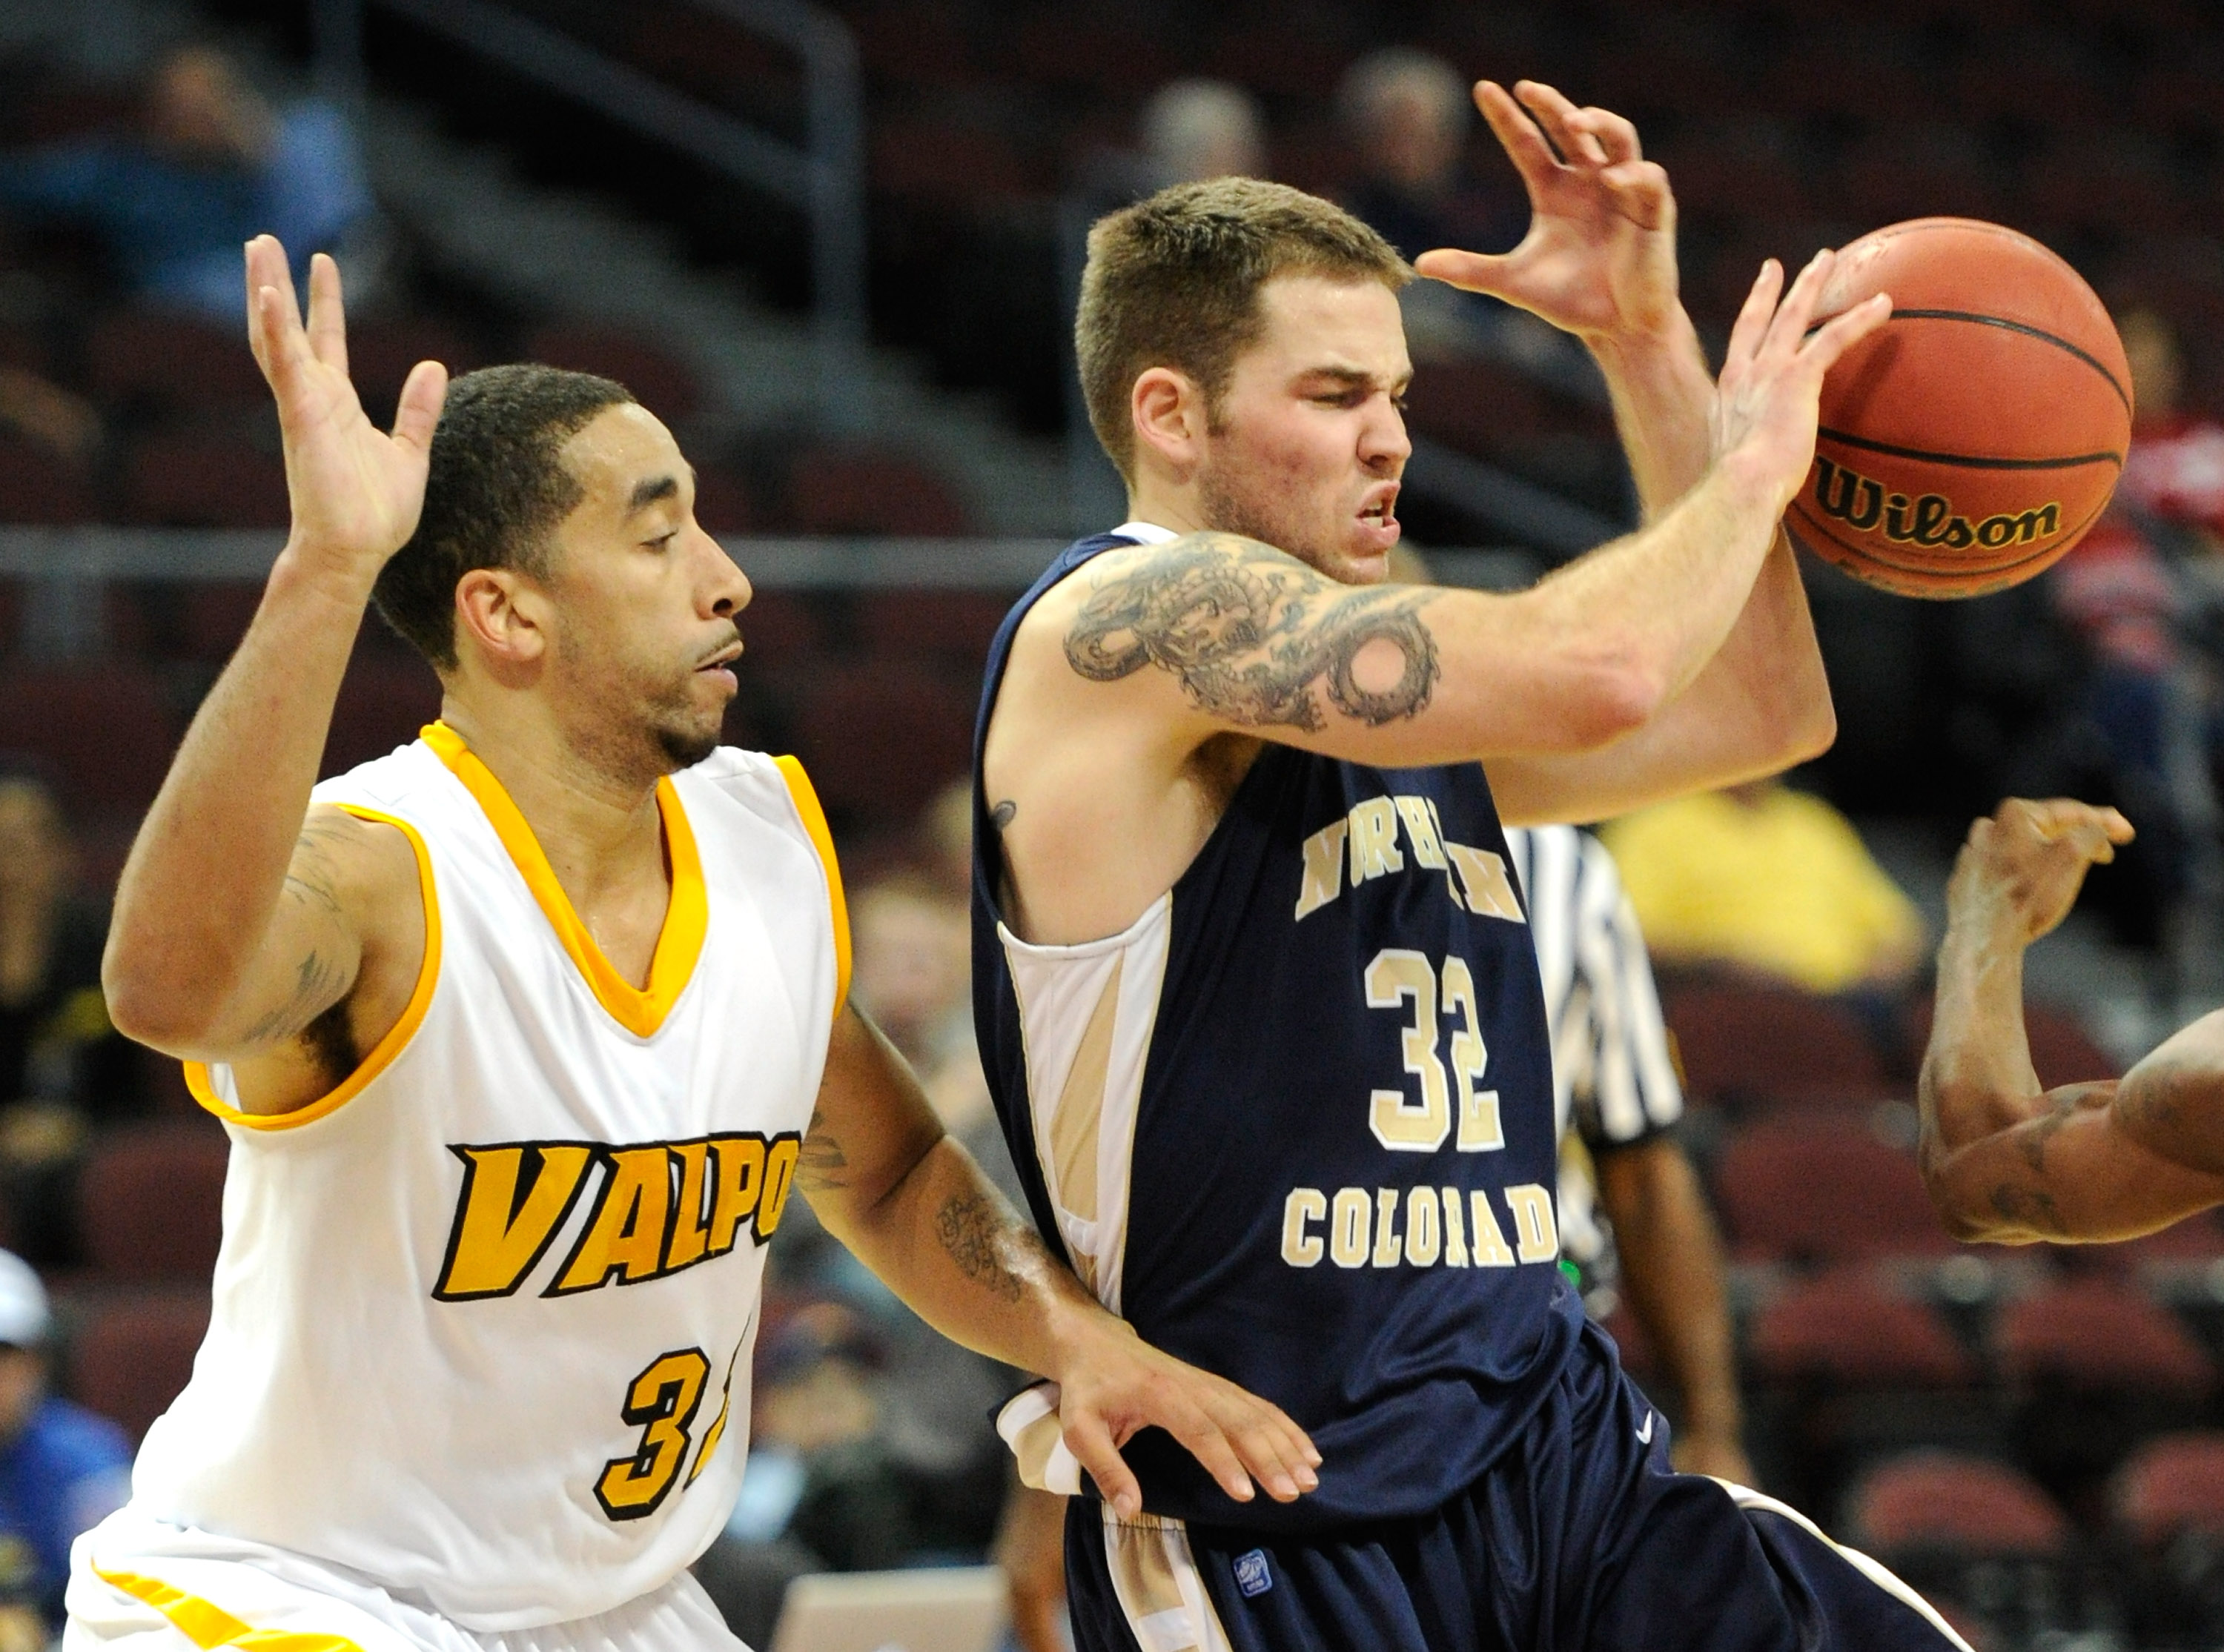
<point x="1582" y="1538"/>
<point x="139" y="1586"/>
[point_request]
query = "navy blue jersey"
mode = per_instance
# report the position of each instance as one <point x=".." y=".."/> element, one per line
<point x="1296" y="1124"/>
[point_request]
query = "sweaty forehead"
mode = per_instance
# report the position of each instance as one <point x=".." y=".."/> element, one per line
<point x="1316" y="322"/>
<point x="617" y="450"/>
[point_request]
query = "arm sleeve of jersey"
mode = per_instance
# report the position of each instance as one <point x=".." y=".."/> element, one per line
<point x="1634" y="1094"/>
<point x="822" y="839"/>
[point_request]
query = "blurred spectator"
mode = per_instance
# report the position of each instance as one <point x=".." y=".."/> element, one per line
<point x="1764" y="878"/>
<point x="2175" y="471"/>
<point x="914" y="963"/>
<point x="2130" y="590"/>
<point x="62" y="1469"/>
<point x="62" y="1065"/>
<point x="1195" y="129"/>
<point x="42" y="412"/>
<point x="946" y="841"/>
<point x="1408" y="114"/>
<point x="210" y="165"/>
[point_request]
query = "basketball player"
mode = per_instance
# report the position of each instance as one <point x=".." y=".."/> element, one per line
<point x="523" y="1035"/>
<point x="1256" y="994"/>
<point x="2007" y="1159"/>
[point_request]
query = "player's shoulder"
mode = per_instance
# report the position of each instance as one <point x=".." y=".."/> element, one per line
<point x="777" y="790"/>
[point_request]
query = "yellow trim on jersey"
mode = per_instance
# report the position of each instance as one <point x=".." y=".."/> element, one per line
<point x="209" y="1627"/>
<point x="814" y="821"/>
<point x="686" y="917"/>
<point x="397" y="1037"/>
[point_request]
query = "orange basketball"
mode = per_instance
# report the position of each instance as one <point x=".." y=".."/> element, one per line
<point x="1975" y="436"/>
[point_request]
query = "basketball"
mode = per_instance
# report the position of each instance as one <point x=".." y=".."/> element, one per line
<point x="1972" y="440"/>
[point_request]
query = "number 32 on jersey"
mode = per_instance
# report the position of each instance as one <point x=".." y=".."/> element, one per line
<point x="1424" y="1226"/>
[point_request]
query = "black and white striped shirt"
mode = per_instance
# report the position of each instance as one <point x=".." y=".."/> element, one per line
<point x="1613" y="1081"/>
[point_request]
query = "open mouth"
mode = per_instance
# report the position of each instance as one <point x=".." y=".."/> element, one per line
<point x="723" y="659"/>
<point x="1379" y="514"/>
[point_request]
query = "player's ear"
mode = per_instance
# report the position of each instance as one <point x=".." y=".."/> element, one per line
<point x="502" y="617"/>
<point x="1168" y="409"/>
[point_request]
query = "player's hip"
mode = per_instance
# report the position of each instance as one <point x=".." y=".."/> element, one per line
<point x="138" y="1585"/>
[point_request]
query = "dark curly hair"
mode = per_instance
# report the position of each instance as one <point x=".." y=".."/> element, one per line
<point x="498" y="486"/>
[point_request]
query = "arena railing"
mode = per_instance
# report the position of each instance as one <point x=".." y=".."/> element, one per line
<point x="825" y="179"/>
<point x="64" y="571"/>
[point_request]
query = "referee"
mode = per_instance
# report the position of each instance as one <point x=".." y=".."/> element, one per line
<point x="1625" y="1186"/>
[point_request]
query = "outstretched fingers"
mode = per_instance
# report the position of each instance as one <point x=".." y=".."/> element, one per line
<point x="418" y="410"/>
<point x="1518" y="133"/>
<point x="1752" y="323"/>
<point x="1562" y="120"/>
<point x="327" y="316"/>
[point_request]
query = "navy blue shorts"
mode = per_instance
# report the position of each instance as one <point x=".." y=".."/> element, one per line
<point x="1582" y="1537"/>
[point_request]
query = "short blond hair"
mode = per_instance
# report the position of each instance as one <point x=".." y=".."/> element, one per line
<point x="1173" y="281"/>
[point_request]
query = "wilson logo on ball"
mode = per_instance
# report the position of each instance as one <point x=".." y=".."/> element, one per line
<point x="1863" y="504"/>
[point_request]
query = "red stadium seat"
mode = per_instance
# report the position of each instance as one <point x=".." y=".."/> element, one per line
<point x="953" y="625"/>
<point x="129" y="1354"/>
<point x="41" y="488"/>
<point x="209" y="618"/>
<point x="1752" y="1042"/>
<point x="382" y="353"/>
<point x="385" y="698"/>
<point x="881" y="739"/>
<point x="2094" y="1334"/>
<point x="1845" y="1328"/>
<point x="659" y="381"/>
<point x="189" y="479"/>
<point x="2169" y="1485"/>
<point x="838" y="491"/>
<point x="1824" y="1192"/>
<point x="150" y="1202"/>
<point x="780" y="630"/>
<point x="153" y="358"/>
<point x="106" y="732"/>
<point x="723" y="502"/>
<point x="1938" y="1499"/>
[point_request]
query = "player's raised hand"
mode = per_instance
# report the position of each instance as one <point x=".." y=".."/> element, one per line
<point x="355" y="491"/>
<point x="1123" y="1386"/>
<point x="1600" y="257"/>
<point x="2018" y="874"/>
<point x="1768" y="396"/>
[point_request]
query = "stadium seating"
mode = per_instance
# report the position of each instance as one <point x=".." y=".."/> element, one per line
<point x="1843" y="1328"/>
<point x="1824" y="1192"/>
<point x="858" y="491"/>
<point x="129" y="1353"/>
<point x="1951" y="1500"/>
<point x="1742" y="1042"/>
<point x="188" y="477"/>
<point x="156" y="360"/>
<point x="107" y="732"/>
<point x="2096" y="1335"/>
<point x="150" y="1203"/>
<point x="881" y="738"/>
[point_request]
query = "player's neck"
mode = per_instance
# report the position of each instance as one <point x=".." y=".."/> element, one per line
<point x="1166" y="503"/>
<point x="598" y="824"/>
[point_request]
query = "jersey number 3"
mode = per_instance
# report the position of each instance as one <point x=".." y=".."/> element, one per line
<point x="1396" y="978"/>
<point x="661" y="1402"/>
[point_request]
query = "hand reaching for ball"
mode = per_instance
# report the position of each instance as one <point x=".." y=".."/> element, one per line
<point x="1772" y="380"/>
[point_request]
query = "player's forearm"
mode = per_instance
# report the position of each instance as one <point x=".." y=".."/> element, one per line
<point x="1671" y="1265"/>
<point x="202" y="882"/>
<point x="954" y="1250"/>
<point x="1976" y="1078"/>
<point x="1662" y="600"/>
<point x="1663" y="400"/>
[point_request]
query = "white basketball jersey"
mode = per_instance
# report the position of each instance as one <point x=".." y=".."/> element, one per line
<point x="484" y="1315"/>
